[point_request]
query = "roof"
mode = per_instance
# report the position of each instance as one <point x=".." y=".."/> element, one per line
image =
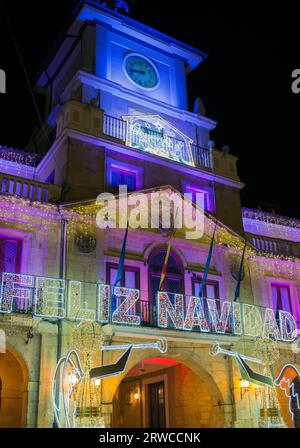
<point x="91" y="11"/>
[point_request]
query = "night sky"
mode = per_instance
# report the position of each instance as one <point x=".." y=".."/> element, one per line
<point x="245" y="83"/>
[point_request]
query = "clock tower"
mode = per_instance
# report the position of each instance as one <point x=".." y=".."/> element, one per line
<point x="117" y="110"/>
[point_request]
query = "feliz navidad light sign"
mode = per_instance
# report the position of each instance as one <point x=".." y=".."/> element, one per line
<point x="61" y="299"/>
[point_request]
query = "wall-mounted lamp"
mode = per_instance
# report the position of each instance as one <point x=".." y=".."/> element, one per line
<point x="136" y="395"/>
<point x="244" y="387"/>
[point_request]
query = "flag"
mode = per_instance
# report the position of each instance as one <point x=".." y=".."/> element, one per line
<point x="238" y="286"/>
<point x="120" y="272"/>
<point x="207" y="265"/>
<point x="164" y="269"/>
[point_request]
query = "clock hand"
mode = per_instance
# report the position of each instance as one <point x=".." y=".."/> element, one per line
<point x="137" y="71"/>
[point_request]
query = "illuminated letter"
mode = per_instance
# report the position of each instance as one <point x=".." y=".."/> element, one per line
<point x="236" y="319"/>
<point x="121" y="315"/>
<point x="166" y="310"/>
<point x="76" y="309"/>
<point x="219" y="324"/>
<point x="2" y="342"/>
<point x="49" y="298"/>
<point x="287" y="335"/>
<point x="16" y="289"/>
<point x="252" y="321"/>
<point x="270" y="325"/>
<point x="103" y="305"/>
<point x="195" y="315"/>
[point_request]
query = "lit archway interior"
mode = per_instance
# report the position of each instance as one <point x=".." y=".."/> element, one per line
<point x="162" y="392"/>
<point x="13" y="392"/>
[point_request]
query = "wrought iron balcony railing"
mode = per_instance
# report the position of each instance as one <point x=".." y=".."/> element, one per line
<point x="117" y="128"/>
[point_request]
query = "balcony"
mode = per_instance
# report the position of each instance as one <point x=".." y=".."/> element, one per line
<point x="157" y="143"/>
<point x="28" y="189"/>
<point x="277" y="247"/>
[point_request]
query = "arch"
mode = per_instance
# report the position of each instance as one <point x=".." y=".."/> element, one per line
<point x="197" y="382"/>
<point x="14" y="376"/>
<point x="154" y="247"/>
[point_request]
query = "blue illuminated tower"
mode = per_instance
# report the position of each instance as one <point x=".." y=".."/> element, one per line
<point x="118" y="112"/>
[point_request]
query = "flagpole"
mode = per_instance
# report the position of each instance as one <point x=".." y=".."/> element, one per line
<point x="238" y="286"/>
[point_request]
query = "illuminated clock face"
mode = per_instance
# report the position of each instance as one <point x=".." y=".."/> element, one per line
<point x="141" y="71"/>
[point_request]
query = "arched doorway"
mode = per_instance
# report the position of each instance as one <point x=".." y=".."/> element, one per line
<point x="14" y="385"/>
<point x="174" y="279"/>
<point x="162" y="393"/>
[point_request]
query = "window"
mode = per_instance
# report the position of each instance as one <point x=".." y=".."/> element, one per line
<point x="281" y="297"/>
<point x="122" y="177"/>
<point x="120" y="173"/>
<point x="173" y="282"/>
<point x="131" y="277"/>
<point x="211" y="289"/>
<point x="207" y="193"/>
<point x="10" y="255"/>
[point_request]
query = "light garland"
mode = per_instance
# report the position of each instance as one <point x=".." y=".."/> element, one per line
<point x="20" y="157"/>
<point x="271" y="218"/>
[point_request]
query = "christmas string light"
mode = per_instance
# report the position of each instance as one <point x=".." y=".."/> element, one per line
<point x="104" y="303"/>
<point x="76" y="309"/>
<point x="237" y="319"/>
<point x="252" y="321"/>
<point x="19" y="157"/>
<point x="285" y="320"/>
<point x="122" y="313"/>
<point x="270" y="218"/>
<point x="195" y="315"/>
<point x="50" y="298"/>
<point x="167" y="311"/>
<point x="270" y="327"/>
<point x="219" y="323"/>
<point x="16" y="289"/>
